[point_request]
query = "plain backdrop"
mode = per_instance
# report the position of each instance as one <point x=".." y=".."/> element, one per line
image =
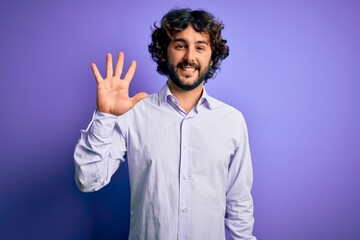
<point x="293" y="71"/>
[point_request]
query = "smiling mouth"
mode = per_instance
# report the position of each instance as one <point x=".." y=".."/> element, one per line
<point x="188" y="70"/>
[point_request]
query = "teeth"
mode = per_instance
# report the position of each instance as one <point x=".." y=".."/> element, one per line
<point x="189" y="69"/>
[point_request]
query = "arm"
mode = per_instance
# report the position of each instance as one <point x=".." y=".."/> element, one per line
<point x="239" y="219"/>
<point x="102" y="145"/>
<point x="99" y="152"/>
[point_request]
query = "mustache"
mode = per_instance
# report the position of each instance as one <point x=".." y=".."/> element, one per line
<point x="186" y="63"/>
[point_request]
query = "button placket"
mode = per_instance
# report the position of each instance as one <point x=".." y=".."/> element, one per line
<point x="184" y="198"/>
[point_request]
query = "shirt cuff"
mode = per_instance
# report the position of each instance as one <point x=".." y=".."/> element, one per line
<point x="103" y="124"/>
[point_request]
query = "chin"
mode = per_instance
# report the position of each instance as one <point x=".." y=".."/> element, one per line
<point x="188" y="81"/>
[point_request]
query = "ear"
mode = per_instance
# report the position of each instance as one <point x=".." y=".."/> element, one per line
<point x="163" y="58"/>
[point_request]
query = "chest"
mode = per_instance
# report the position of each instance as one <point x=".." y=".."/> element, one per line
<point x="165" y="138"/>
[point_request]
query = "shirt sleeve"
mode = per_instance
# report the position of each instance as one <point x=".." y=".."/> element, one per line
<point x="99" y="152"/>
<point x="239" y="218"/>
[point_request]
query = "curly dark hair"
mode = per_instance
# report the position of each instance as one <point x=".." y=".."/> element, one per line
<point x="176" y="20"/>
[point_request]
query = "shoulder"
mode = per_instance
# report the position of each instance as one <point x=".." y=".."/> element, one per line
<point x="140" y="111"/>
<point x="229" y="120"/>
<point x="229" y="112"/>
<point x="143" y="109"/>
<point x="150" y="100"/>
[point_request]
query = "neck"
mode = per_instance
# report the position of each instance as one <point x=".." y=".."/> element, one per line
<point x="187" y="98"/>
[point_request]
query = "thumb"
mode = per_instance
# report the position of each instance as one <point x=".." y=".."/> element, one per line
<point x="139" y="96"/>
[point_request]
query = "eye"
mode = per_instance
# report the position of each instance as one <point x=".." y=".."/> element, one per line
<point x="179" y="47"/>
<point x="200" y="48"/>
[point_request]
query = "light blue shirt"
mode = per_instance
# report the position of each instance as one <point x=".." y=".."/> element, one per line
<point x="190" y="174"/>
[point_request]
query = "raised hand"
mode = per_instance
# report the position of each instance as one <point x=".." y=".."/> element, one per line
<point x="113" y="92"/>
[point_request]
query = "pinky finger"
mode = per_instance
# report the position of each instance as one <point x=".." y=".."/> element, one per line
<point x="96" y="72"/>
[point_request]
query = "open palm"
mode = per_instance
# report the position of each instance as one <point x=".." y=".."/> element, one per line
<point x="113" y="92"/>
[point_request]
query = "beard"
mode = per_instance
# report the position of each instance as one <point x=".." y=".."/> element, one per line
<point x="175" y="78"/>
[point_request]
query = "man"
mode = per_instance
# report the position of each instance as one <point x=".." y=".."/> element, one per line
<point x="188" y="154"/>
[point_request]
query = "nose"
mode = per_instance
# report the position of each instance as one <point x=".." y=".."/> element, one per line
<point x="190" y="55"/>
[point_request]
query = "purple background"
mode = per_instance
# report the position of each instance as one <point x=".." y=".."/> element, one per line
<point x="293" y="71"/>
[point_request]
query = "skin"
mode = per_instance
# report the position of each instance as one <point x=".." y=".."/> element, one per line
<point x="113" y="92"/>
<point x="185" y="46"/>
<point x="194" y="47"/>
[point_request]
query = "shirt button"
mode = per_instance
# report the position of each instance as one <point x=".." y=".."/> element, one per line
<point x="184" y="178"/>
<point x="185" y="146"/>
<point x="184" y="210"/>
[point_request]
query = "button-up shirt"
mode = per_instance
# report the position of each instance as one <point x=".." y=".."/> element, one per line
<point x="190" y="173"/>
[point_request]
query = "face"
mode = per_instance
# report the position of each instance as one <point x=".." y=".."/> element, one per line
<point x="189" y="58"/>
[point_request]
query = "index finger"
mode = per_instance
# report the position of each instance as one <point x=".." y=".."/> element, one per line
<point x="130" y="73"/>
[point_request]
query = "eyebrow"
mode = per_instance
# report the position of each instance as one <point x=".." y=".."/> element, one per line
<point x="184" y="41"/>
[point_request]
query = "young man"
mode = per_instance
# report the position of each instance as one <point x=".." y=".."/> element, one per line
<point x="188" y="153"/>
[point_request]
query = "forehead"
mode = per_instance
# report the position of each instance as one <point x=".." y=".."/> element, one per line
<point x="191" y="36"/>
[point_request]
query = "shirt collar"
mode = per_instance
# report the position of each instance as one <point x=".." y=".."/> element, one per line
<point x="205" y="99"/>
